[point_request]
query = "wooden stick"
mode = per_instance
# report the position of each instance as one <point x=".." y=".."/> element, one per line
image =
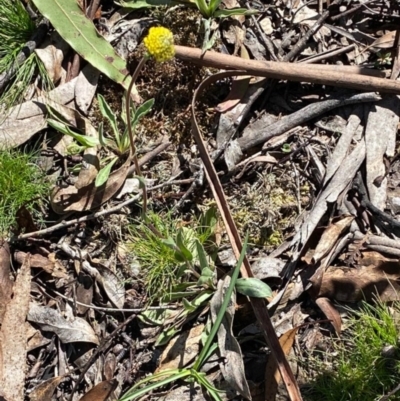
<point x="287" y="71"/>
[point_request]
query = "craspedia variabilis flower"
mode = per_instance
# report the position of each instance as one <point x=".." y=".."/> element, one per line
<point x="160" y="43"/>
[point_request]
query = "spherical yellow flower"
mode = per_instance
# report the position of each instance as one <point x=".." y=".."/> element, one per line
<point x="160" y="43"/>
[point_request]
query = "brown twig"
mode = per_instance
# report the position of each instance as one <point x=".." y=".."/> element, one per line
<point x="288" y="71"/>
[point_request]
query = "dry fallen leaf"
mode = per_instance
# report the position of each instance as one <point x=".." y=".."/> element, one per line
<point x="101" y="391"/>
<point x="384" y="42"/>
<point x="67" y="331"/>
<point x="13" y="339"/>
<point x="331" y="313"/>
<point x="70" y="199"/>
<point x="272" y="375"/>
<point x="5" y="281"/>
<point x="44" y="391"/>
<point x="232" y="366"/>
<point x="181" y="350"/>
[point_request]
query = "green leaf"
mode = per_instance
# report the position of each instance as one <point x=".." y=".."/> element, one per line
<point x="233" y="11"/>
<point x="181" y="246"/>
<point x="142" y="110"/>
<point x="201" y="255"/>
<point x="135" y="4"/>
<point x="106" y="111"/>
<point x="214" y="4"/>
<point x="203" y="8"/>
<point x="165" y="336"/>
<point x="104" y="173"/>
<point x="80" y="33"/>
<point x="253" y="287"/>
<point x="87" y="141"/>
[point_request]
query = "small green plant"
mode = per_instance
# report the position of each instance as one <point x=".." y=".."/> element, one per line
<point x="209" y="9"/>
<point x="118" y="142"/>
<point x="16" y="29"/>
<point x="364" y="364"/>
<point x="22" y="184"/>
<point x="172" y="258"/>
<point x="192" y="374"/>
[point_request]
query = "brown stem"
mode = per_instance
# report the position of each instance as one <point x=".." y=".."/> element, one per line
<point x="131" y="139"/>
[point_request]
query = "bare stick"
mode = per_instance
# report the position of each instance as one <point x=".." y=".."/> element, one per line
<point x="288" y="71"/>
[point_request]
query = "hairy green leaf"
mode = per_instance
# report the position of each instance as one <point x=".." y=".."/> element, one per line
<point x="253" y="287"/>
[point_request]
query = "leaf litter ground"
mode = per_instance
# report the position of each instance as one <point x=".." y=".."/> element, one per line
<point x="318" y="197"/>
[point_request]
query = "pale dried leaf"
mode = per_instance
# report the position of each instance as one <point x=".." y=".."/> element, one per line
<point x="112" y="286"/>
<point x="232" y="366"/>
<point x="25" y="120"/>
<point x="330" y="237"/>
<point x="86" y="87"/>
<point x="181" y="350"/>
<point x="65" y="200"/>
<point x="385" y="42"/>
<point x="13" y="341"/>
<point x="67" y="331"/>
<point x="44" y="391"/>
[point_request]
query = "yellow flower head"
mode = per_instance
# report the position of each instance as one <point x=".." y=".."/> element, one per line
<point x="160" y="43"/>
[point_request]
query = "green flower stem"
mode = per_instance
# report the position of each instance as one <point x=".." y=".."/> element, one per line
<point x="131" y="138"/>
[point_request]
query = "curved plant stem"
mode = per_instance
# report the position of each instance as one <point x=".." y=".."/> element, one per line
<point x="130" y="132"/>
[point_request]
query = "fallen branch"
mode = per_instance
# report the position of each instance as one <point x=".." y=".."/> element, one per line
<point x="287" y="71"/>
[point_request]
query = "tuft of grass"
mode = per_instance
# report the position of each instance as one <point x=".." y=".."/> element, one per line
<point x="16" y="29"/>
<point x="162" y="267"/>
<point x="365" y="364"/>
<point x="22" y="183"/>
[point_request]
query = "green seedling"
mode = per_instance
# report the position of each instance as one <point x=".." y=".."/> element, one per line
<point x="16" y="29"/>
<point x="22" y="184"/>
<point x="117" y="142"/>
<point x="364" y="363"/>
<point x="209" y="9"/>
<point x="192" y="374"/>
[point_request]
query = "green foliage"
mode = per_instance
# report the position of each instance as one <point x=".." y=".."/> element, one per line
<point x="209" y="9"/>
<point x="192" y="374"/>
<point x="118" y="142"/>
<point x="173" y="260"/>
<point x="16" y="28"/>
<point x="359" y="369"/>
<point x="21" y="184"/>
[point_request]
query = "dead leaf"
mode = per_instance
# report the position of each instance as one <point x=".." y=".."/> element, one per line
<point x="13" y="341"/>
<point x="329" y="238"/>
<point x="5" y="281"/>
<point x="67" y="331"/>
<point x="331" y="313"/>
<point x="26" y="119"/>
<point x="50" y="264"/>
<point x="112" y="285"/>
<point x="232" y="366"/>
<point x="44" y="391"/>
<point x="181" y="350"/>
<point x="90" y="197"/>
<point x="384" y="42"/>
<point x="87" y="84"/>
<point x="101" y="391"/>
<point x="272" y="375"/>
<point x="353" y="285"/>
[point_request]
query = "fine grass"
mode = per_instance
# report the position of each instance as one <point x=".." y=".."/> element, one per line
<point x="364" y="365"/>
<point x="22" y="183"/>
<point x="16" y="29"/>
<point x="161" y="268"/>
